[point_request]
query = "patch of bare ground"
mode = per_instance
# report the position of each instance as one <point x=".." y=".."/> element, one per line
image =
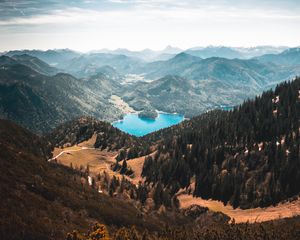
<point x="84" y="154"/>
<point x="136" y="165"/>
<point x="282" y="210"/>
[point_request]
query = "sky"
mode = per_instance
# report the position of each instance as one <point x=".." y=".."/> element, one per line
<point x="86" y="25"/>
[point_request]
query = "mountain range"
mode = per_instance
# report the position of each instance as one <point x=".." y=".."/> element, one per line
<point x="41" y="102"/>
<point x="65" y="84"/>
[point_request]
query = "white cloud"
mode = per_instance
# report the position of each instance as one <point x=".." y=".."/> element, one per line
<point x="147" y="25"/>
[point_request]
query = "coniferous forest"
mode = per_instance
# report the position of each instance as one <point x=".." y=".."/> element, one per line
<point x="248" y="157"/>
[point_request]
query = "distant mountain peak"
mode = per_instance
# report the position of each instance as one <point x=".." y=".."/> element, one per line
<point x="171" y="49"/>
<point x="184" y="56"/>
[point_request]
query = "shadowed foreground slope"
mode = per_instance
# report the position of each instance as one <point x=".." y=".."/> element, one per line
<point x="41" y="200"/>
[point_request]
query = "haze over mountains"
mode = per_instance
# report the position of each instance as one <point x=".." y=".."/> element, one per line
<point x="57" y="85"/>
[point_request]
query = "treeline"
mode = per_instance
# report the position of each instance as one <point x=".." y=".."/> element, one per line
<point x="248" y="157"/>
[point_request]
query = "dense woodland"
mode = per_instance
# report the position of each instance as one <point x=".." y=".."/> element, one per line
<point x="247" y="157"/>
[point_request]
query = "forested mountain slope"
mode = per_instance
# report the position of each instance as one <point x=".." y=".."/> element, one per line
<point x="41" y="102"/>
<point x="36" y="64"/>
<point x="54" y="57"/>
<point x="191" y="85"/>
<point x="248" y="157"/>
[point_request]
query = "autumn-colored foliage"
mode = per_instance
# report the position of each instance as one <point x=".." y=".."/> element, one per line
<point x="98" y="232"/>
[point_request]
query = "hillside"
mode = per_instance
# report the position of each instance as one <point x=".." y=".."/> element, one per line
<point x="288" y="57"/>
<point x="42" y="200"/>
<point x="173" y="66"/>
<point x="170" y="94"/>
<point x="56" y="57"/>
<point x="36" y="64"/>
<point x="88" y="64"/>
<point x="222" y="52"/>
<point x="41" y="102"/>
<point x="107" y="137"/>
<point x="222" y="69"/>
<point x="191" y="85"/>
<point x="234" y="52"/>
<point x="248" y="157"/>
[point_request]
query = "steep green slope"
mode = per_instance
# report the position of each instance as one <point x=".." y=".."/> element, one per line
<point x="36" y="64"/>
<point x="56" y="57"/>
<point x="192" y="85"/>
<point x="41" y="102"/>
<point x="248" y="157"/>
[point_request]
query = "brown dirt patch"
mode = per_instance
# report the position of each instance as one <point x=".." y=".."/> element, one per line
<point x="282" y="210"/>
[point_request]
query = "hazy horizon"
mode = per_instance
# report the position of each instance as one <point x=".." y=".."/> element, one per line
<point x="86" y="25"/>
<point x="145" y="49"/>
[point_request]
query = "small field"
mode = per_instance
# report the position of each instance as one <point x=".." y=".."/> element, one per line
<point x="84" y="154"/>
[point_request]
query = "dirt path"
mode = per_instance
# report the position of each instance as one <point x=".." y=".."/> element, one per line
<point x="69" y="151"/>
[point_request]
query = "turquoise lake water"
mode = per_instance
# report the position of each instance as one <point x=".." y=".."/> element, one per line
<point x="137" y="126"/>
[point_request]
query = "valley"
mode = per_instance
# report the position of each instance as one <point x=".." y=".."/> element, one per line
<point x="202" y="146"/>
<point x="109" y="85"/>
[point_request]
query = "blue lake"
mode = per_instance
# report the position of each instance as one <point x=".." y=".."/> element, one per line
<point x="137" y="126"/>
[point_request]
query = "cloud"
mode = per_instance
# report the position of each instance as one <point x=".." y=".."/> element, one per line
<point x="148" y="10"/>
<point x="153" y="23"/>
<point x="11" y="9"/>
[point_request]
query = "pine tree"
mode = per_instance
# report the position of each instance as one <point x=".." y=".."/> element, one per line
<point x="124" y="167"/>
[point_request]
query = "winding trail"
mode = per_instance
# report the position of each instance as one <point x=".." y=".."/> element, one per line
<point x="68" y="151"/>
